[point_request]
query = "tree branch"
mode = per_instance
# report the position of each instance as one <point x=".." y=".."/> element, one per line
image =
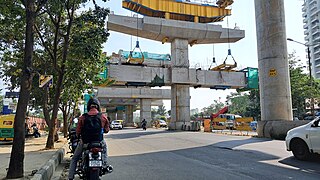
<point x="43" y="42"/>
<point x="40" y="4"/>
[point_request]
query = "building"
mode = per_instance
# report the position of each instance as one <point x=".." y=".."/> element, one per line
<point x="311" y="12"/>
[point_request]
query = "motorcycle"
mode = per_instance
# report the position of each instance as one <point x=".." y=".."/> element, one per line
<point x="73" y="140"/>
<point x="90" y="165"/>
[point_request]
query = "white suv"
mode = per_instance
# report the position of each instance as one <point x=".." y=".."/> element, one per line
<point x="116" y="124"/>
<point x="304" y="140"/>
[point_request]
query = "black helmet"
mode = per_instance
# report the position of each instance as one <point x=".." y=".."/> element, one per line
<point x="93" y="101"/>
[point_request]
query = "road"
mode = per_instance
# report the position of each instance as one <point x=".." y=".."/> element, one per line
<point x="158" y="154"/>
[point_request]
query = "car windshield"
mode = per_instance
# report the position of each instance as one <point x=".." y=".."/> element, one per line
<point x="162" y="121"/>
<point x="116" y="122"/>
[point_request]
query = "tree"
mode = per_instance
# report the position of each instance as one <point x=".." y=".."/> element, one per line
<point x="153" y="112"/>
<point x="213" y="108"/>
<point x="301" y="88"/>
<point x="238" y="103"/>
<point x="253" y="109"/>
<point x="1" y="103"/>
<point x="17" y="54"/>
<point x="73" y="44"/>
<point x="7" y="46"/>
<point x="161" y="110"/>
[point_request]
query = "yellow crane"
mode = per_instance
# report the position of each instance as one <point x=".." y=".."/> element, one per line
<point x="202" y="11"/>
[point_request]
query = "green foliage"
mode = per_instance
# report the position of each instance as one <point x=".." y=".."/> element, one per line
<point x="162" y="110"/>
<point x="213" y="108"/>
<point x="12" y="28"/>
<point x="302" y="87"/>
<point x="238" y="104"/>
<point x="253" y="109"/>
<point x="1" y="102"/>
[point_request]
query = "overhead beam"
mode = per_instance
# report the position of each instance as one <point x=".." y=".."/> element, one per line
<point x="159" y="29"/>
<point x="196" y="78"/>
<point x="138" y="93"/>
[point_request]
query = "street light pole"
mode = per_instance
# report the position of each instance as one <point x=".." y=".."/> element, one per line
<point x="310" y="74"/>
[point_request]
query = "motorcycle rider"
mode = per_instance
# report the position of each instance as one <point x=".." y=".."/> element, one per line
<point x="93" y="108"/>
<point x="36" y="133"/>
<point x="144" y="124"/>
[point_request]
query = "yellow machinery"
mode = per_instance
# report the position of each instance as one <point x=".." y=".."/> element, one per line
<point x="138" y="58"/>
<point x="184" y="10"/>
<point x="225" y="66"/>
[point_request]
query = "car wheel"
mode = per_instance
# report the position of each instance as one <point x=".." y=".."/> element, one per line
<point x="300" y="149"/>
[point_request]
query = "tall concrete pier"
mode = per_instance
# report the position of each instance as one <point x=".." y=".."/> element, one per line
<point x="180" y="94"/>
<point x="274" y="80"/>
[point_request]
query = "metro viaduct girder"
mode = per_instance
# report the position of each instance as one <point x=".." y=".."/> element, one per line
<point x="133" y="93"/>
<point x="195" y="77"/>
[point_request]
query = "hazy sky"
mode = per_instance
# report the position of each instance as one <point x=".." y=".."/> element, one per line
<point x="244" y="51"/>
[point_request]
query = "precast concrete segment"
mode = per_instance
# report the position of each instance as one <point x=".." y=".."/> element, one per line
<point x="179" y="54"/>
<point x="112" y="116"/>
<point x="117" y="102"/>
<point x="126" y="102"/>
<point x="114" y="92"/>
<point x="180" y="94"/>
<point x="157" y="102"/>
<point x="274" y="80"/>
<point x="166" y="30"/>
<point x="129" y="116"/>
<point x="193" y="77"/>
<point x="120" y="115"/>
<point x="180" y="106"/>
<point x="145" y="111"/>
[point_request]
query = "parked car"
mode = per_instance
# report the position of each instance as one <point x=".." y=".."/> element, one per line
<point x="116" y="124"/>
<point x="304" y="140"/>
<point x="163" y="123"/>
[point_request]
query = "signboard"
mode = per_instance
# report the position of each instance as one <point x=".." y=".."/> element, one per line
<point x="44" y="79"/>
<point x="12" y="95"/>
<point x="272" y="72"/>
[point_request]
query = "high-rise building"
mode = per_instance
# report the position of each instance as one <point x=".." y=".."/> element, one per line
<point x="311" y="17"/>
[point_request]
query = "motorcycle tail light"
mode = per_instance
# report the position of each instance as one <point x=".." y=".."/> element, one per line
<point x="96" y="150"/>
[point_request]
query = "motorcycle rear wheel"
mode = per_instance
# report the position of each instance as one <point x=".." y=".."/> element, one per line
<point x="94" y="174"/>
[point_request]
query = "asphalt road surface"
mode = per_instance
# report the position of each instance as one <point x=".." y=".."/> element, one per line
<point x="159" y="154"/>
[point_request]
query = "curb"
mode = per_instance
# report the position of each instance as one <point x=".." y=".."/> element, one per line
<point x="47" y="170"/>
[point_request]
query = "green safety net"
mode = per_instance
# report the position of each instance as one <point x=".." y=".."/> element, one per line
<point x="157" y="81"/>
<point x="252" y="78"/>
<point x="153" y="56"/>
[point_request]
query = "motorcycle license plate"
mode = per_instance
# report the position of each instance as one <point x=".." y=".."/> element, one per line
<point x="95" y="163"/>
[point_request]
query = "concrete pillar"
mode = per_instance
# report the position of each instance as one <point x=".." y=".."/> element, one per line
<point x="120" y="114"/>
<point x="274" y="80"/>
<point x="129" y="116"/>
<point x="145" y="111"/>
<point x="180" y="94"/>
<point x="112" y="116"/>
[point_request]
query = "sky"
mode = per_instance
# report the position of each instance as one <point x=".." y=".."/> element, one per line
<point x="244" y="51"/>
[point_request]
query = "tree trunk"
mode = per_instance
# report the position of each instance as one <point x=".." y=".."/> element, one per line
<point x="61" y="72"/>
<point x="65" y="124"/>
<point x="53" y="122"/>
<point x="17" y="153"/>
<point x="56" y="134"/>
<point x="45" y="110"/>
